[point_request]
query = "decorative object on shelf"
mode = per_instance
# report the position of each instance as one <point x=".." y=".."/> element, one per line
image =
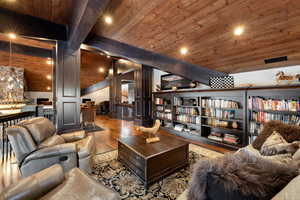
<point x="221" y="82"/>
<point x="174" y="88"/>
<point x="280" y="76"/>
<point x="151" y="132"/>
<point x="234" y="125"/>
<point x="193" y="84"/>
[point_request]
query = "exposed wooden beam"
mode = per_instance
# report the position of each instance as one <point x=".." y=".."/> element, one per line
<point x="85" y="16"/>
<point x="30" y="26"/>
<point x="95" y="87"/>
<point x="141" y="56"/>
<point x="25" y="50"/>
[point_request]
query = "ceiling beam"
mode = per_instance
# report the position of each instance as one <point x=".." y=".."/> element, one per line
<point x="25" y="50"/>
<point x="164" y="63"/>
<point x="30" y="26"/>
<point x="93" y="88"/>
<point x="85" y="16"/>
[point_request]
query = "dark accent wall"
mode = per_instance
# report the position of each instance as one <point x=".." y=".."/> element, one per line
<point x="67" y="88"/>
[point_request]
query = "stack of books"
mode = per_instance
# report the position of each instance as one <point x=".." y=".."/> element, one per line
<point x="159" y="108"/>
<point x="216" y="136"/>
<point x="219" y="103"/>
<point x="274" y="104"/>
<point x="231" y="139"/>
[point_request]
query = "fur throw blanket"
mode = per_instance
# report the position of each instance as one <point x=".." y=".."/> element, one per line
<point x="249" y="176"/>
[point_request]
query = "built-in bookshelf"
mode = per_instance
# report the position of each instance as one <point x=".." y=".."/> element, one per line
<point x="267" y="105"/>
<point x="230" y="118"/>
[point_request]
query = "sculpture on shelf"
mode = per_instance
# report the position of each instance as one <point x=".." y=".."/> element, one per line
<point x="151" y="132"/>
<point x="280" y="76"/>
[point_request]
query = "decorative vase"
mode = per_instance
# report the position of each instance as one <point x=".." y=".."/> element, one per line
<point x="235" y="125"/>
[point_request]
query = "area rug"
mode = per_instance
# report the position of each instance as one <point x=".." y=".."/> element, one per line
<point x="91" y="128"/>
<point x="114" y="175"/>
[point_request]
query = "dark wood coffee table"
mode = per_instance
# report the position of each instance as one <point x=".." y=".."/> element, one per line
<point x="151" y="162"/>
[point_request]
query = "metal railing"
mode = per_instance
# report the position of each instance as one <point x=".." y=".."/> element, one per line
<point x="6" y="121"/>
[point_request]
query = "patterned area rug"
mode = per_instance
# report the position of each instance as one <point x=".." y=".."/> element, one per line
<point x="113" y="174"/>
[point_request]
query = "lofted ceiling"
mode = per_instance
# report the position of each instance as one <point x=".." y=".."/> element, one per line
<point x="57" y="11"/>
<point x="205" y="27"/>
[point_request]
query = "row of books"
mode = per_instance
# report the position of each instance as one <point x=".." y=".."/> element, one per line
<point x="159" y="101"/>
<point x="227" y="138"/>
<point x="255" y="128"/>
<point x="188" y="119"/>
<point x="220" y="123"/>
<point x="263" y="117"/>
<point x="219" y="103"/>
<point x="222" y="114"/>
<point x="185" y="110"/>
<point x="274" y="104"/>
<point x="164" y="115"/>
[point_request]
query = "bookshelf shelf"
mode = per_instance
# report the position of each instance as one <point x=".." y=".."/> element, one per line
<point x="283" y="112"/>
<point x="222" y="119"/>
<point x="224" y="128"/>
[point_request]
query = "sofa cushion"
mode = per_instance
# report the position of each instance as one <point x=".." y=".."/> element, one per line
<point x="289" y="192"/>
<point x="36" y="185"/>
<point x="289" y="132"/>
<point x="40" y="128"/>
<point x="51" y="141"/>
<point x="240" y="176"/>
<point x="78" y="186"/>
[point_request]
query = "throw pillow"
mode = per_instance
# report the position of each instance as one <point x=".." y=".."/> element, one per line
<point x="272" y="142"/>
<point x="290" y="133"/>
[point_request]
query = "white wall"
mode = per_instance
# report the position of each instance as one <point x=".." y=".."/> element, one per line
<point x="256" y="78"/>
<point x="35" y="95"/>
<point x="263" y="77"/>
<point x="98" y="96"/>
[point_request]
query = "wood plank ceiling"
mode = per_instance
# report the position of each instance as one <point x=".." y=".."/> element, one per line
<point x="37" y="69"/>
<point x="205" y="27"/>
<point x="57" y="11"/>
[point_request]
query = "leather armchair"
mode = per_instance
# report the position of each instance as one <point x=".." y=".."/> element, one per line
<point x="37" y="146"/>
<point x="53" y="184"/>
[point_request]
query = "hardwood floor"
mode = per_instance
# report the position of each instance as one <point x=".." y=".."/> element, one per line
<point x="106" y="141"/>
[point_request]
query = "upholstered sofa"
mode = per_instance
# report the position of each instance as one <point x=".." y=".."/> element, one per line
<point x="221" y="175"/>
<point x="37" y="146"/>
<point x="53" y="184"/>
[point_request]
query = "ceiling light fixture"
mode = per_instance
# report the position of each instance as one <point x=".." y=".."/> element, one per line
<point x="108" y="20"/>
<point x="12" y="36"/>
<point x="49" y="77"/>
<point x="101" y="69"/>
<point x="48" y="88"/>
<point x="111" y="71"/>
<point x="108" y="56"/>
<point x="239" y="30"/>
<point x="49" y="62"/>
<point x="183" y="50"/>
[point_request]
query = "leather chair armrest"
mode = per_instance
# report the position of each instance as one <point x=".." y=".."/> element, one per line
<point x="73" y="136"/>
<point x="53" y="151"/>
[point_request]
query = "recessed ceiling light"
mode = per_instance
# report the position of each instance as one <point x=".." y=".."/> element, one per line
<point x="48" y="88"/>
<point x="239" y="30"/>
<point x="108" y="19"/>
<point x="110" y="71"/>
<point x="12" y="36"/>
<point x="49" y="77"/>
<point x="101" y="69"/>
<point x="183" y="50"/>
<point x="108" y="56"/>
<point x="49" y="62"/>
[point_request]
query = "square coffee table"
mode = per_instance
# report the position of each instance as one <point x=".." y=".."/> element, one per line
<point x="151" y="162"/>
